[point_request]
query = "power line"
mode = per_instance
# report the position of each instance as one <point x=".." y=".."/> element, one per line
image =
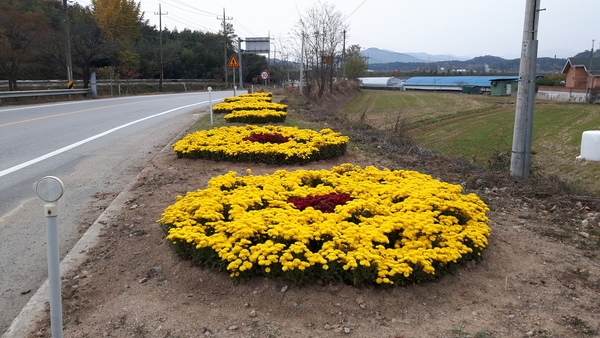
<point x="354" y="11"/>
<point x="198" y="10"/>
<point x="189" y="23"/>
<point x="244" y="28"/>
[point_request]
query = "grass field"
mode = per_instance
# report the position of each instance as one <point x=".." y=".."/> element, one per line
<point x="479" y="128"/>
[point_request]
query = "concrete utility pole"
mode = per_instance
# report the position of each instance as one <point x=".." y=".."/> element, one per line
<point x="68" y="45"/>
<point x="590" y="77"/>
<point x="160" y="14"/>
<point x="520" y="160"/>
<point x="225" y="18"/>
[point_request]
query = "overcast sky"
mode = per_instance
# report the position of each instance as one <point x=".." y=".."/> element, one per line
<point x="459" y="27"/>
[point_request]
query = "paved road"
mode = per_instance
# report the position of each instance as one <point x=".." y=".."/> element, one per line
<point x="95" y="147"/>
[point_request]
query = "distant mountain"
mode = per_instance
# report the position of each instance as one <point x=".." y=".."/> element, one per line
<point x="476" y="66"/>
<point x="586" y="54"/>
<point x="437" y="57"/>
<point x="388" y="61"/>
<point x="376" y="55"/>
<point x="560" y="53"/>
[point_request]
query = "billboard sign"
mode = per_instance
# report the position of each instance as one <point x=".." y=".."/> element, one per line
<point x="258" y="45"/>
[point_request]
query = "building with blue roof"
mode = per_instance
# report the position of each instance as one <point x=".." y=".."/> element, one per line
<point x="456" y="83"/>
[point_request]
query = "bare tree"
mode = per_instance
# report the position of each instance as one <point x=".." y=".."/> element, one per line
<point x="322" y="29"/>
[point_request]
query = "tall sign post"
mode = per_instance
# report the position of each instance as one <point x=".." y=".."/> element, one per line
<point x="233" y="63"/>
<point x="520" y="160"/>
<point x="50" y="189"/>
<point x="240" y="59"/>
<point x="256" y="46"/>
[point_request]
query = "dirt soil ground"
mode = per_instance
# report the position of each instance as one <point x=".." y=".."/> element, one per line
<point x="539" y="276"/>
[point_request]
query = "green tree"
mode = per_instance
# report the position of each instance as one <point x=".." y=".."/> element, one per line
<point x="356" y="63"/>
<point x="88" y="44"/>
<point x="129" y="64"/>
<point x="21" y="35"/>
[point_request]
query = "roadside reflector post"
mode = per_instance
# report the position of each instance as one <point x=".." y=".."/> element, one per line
<point x="210" y="103"/>
<point x="50" y="189"/>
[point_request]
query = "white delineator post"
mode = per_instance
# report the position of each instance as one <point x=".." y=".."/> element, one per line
<point x="210" y="103"/>
<point x="50" y="190"/>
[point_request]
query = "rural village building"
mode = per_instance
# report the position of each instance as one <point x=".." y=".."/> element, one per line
<point x="582" y="82"/>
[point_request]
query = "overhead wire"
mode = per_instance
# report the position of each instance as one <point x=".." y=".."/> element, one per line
<point x="354" y="11"/>
<point x="200" y="11"/>
<point x="244" y="27"/>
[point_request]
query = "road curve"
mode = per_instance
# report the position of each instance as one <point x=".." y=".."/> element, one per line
<point x="95" y="147"/>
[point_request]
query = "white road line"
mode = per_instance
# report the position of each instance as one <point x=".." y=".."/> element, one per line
<point x="77" y="144"/>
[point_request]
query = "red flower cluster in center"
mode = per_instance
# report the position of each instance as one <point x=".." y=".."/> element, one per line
<point x="267" y="138"/>
<point x="324" y="203"/>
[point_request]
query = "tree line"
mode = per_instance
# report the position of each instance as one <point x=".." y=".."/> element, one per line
<point x="112" y="38"/>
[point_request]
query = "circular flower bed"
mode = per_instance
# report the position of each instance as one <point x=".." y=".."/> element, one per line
<point x="348" y="224"/>
<point x="256" y="116"/>
<point x="249" y="97"/>
<point x="229" y="107"/>
<point x="243" y="144"/>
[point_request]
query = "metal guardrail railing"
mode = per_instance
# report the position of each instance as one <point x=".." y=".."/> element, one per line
<point x="47" y="92"/>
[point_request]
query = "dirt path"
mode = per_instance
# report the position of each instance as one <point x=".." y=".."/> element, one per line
<point x="132" y="284"/>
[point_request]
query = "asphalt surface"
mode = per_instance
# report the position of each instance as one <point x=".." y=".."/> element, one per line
<point x="96" y="148"/>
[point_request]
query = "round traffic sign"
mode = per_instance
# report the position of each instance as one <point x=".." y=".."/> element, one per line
<point x="264" y="74"/>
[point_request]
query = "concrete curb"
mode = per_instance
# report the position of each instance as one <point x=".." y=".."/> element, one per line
<point x="35" y="310"/>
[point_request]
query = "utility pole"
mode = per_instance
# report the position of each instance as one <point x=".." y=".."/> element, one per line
<point x="302" y="63"/>
<point x="590" y="77"/>
<point x="68" y="45"/>
<point x="160" y="14"/>
<point x="225" y="18"/>
<point x="520" y="161"/>
<point x="344" y="56"/>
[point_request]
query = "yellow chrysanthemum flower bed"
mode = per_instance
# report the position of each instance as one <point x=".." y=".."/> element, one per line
<point x="250" y="143"/>
<point x="348" y="224"/>
<point x="265" y="97"/>
<point x="228" y="107"/>
<point x="256" y="116"/>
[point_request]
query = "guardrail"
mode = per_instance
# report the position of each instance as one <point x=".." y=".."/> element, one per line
<point x="47" y="92"/>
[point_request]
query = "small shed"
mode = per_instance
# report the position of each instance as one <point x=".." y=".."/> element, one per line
<point x="504" y="86"/>
<point x="467" y="89"/>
